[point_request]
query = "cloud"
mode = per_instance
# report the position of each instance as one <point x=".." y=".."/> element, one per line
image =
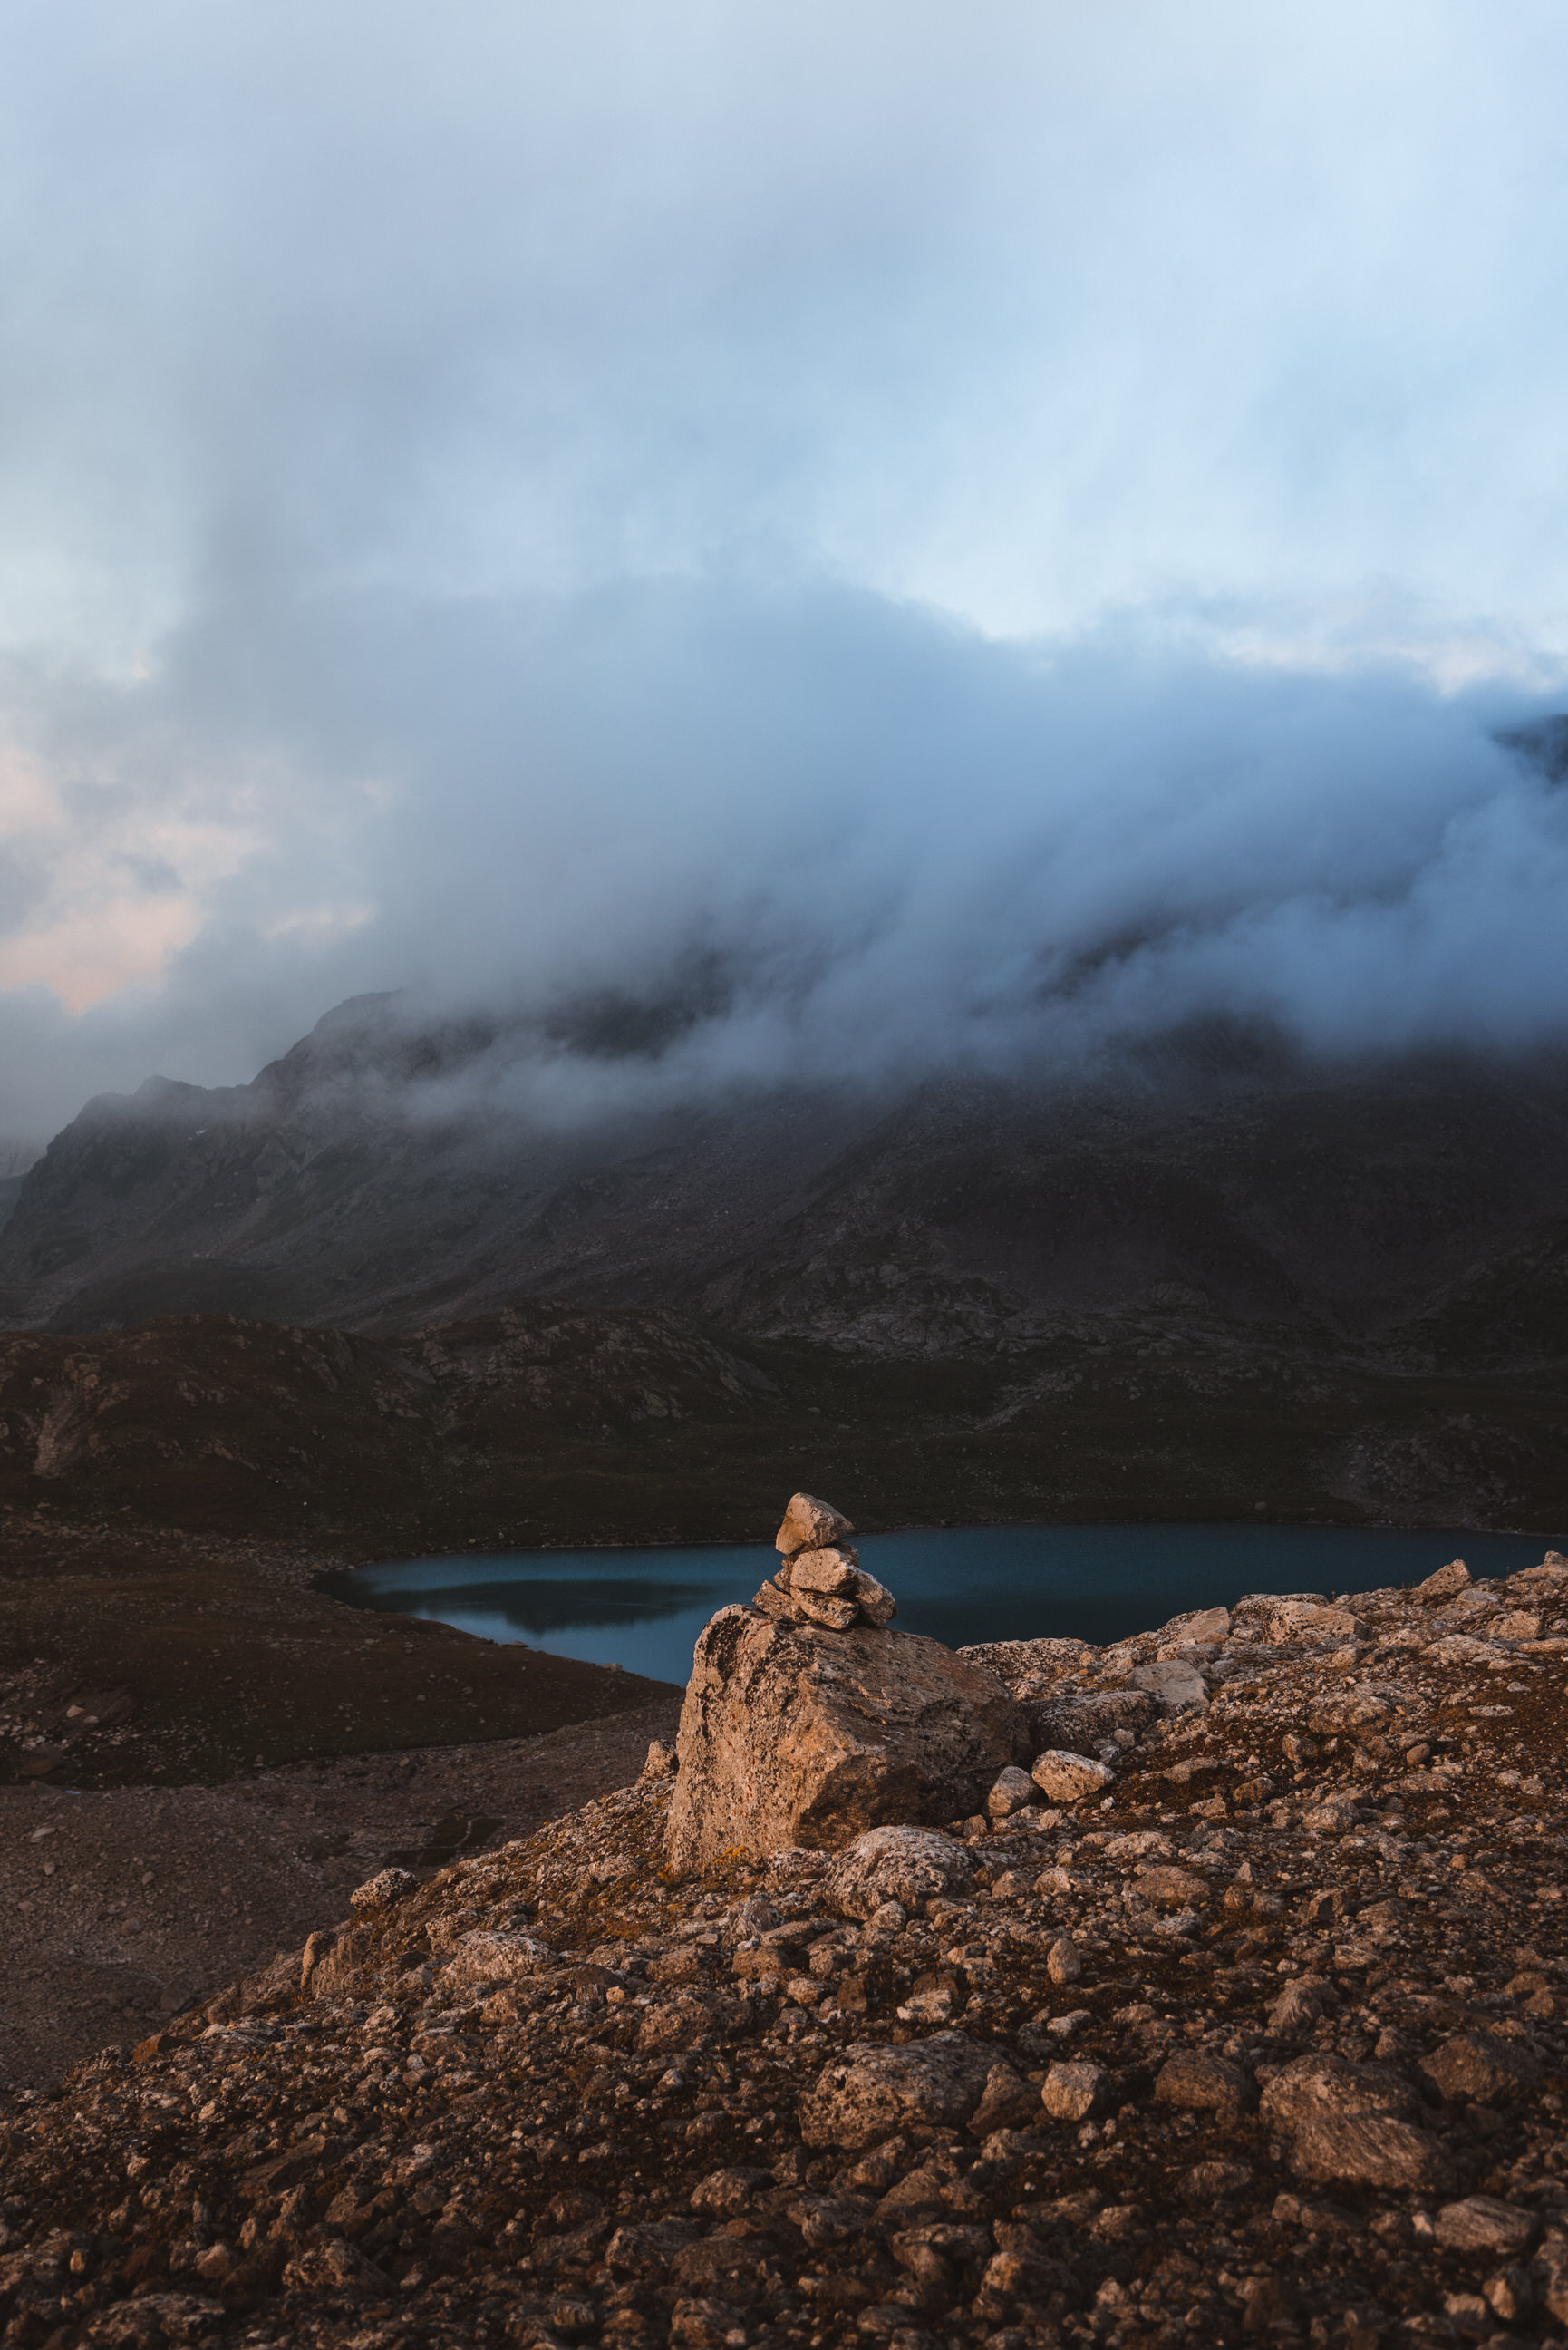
<point x="679" y="837"/>
<point x="887" y="537"/>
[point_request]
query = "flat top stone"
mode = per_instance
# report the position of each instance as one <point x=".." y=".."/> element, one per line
<point x="874" y="2089"/>
<point x="1481" y="2224"/>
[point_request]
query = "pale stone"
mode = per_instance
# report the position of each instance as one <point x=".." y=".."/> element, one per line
<point x="1173" y="1889"/>
<point x="1481" y="2224"/>
<point x="1069" y="1778"/>
<point x="497" y="1958"/>
<point x="1206" y="1627"/>
<point x="808" y="1523"/>
<point x="1299" y="2005"/>
<point x="1014" y="1788"/>
<point x="332" y="1959"/>
<point x="877" y="1604"/>
<point x="1549" y="2272"/>
<point x="1292" y="1619"/>
<point x="1353" y="2123"/>
<point x="1544" y="1581"/>
<point x="830" y="1571"/>
<point x="1445" y="1583"/>
<point x="1369" y="2150"/>
<point x="1196" y="2081"/>
<point x="1071" y="2092"/>
<point x="380" y="1892"/>
<point x="794" y="1735"/>
<point x="1009" y="2102"/>
<point x="1481" y="2069"/>
<point x="818" y="1607"/>
<point x="825" y="1586"/>
<point x="894" y="1870"/>
<point x="724" y="2192"/>
<point x="1176" y="1688"/>
<point x="1063" y="1963"/>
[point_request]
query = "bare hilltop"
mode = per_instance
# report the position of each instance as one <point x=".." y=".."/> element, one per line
<point x="1207" y="1988"/>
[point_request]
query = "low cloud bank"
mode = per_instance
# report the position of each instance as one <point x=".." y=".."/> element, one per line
<point x="672" y="839"/>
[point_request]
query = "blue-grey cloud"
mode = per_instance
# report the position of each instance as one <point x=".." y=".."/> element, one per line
<point x="941" y="534"/>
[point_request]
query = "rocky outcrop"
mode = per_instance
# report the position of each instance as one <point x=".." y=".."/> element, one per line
<point x="791" y="1734"/>
<point x="1274" y="2050"/>
<point x="794" y="1734"/>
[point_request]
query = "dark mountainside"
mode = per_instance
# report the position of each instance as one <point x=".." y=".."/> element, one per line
<point x="1412" y="1214"/>
<point x="1229" y="1277"/>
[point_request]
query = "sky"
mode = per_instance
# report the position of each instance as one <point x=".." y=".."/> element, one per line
<point x="914" y="536"/>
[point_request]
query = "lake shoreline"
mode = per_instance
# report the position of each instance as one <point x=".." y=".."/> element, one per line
<point x="641" y="1606"/>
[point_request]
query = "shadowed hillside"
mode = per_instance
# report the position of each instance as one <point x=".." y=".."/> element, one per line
<point x="1412" y="1216"/>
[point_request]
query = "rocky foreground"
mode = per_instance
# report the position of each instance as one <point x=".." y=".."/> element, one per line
<point x="1235" y="2012"/>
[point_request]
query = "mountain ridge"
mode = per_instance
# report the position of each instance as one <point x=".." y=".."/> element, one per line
<point x="1411" y="1213"/>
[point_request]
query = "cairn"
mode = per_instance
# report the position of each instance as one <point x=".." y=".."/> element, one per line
<point x="821" y="1580"/>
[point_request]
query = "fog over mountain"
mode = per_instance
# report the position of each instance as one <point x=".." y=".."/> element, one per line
<point x="814" y="836"/>
<point x="765" y="549"/>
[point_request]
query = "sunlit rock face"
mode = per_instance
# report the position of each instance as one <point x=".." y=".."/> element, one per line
<point x="792" y="1734"/>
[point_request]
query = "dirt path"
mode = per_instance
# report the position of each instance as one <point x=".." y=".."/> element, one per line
<point x="121" y="1903"/>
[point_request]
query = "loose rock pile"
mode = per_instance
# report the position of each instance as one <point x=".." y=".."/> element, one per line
<point x="821" y="1580"/>
<point x="1274" y="2049"/>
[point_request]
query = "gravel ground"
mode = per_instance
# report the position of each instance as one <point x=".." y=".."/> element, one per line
<point x="1266" y="2042"/>
<point x="124" y="1903"/>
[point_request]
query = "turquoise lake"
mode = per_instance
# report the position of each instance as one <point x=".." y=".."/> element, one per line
<point x="642" y="1609"/>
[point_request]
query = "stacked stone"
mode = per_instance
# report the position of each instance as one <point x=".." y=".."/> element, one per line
<point x="821" y="1580"/>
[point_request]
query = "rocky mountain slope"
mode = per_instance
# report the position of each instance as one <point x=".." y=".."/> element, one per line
<point x="553" y="1424"/>
<point x="386" y="1310"/>
<point x="1261" y="2037"/>
<point x="1415" y="1213"/>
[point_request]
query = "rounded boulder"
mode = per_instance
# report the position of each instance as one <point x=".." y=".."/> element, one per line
<point x="907" y="1865"/>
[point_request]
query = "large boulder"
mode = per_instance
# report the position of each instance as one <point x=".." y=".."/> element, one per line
<point x="795" y="1735"/>
<point x="904" y="1864"/>
<point x="1352" y="2125"/>
<point x="1479" y="2067"/>
<point x="872" y="2090"/>
<point x="1175" y="1687"/>
<point x="1069" y="1778"/>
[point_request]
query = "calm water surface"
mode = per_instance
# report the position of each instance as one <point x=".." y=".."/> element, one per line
<point x="643" y="1608"/>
